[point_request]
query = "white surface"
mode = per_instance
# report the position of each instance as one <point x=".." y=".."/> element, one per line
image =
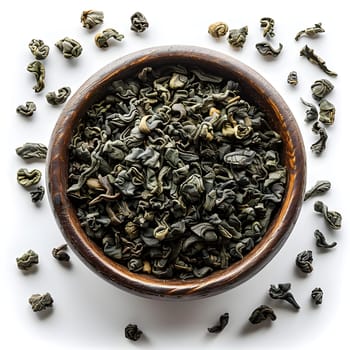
<point x="89" y="313"/>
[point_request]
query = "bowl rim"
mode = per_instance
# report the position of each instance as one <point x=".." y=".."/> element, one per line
<point x="143" y="285"/>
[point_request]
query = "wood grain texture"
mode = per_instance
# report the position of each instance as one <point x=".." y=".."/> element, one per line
<point x="255" y="89"/>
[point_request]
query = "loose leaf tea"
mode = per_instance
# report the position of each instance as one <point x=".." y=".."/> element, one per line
<point x="26" y="110"/>
<point x="320" y="145"/>
<point x="265" y="49"/>
<point x="313" y="58"/>
<point x="32" y="150"/>
<point x="40" y="302"/>
<point x="317" y="296"/>
<point x="60" y="253"/>
<point x="28" y="178"/>
<point x="267" y="24"/>
<point x="332" y="218"/>
<point x="311" y="112"/>
<point x="101" y="39"/>
<point x="321" y="240"/>
<point x="218" y="29"/>
<point x="138" y="22"/>
<point x="173" y="173"/>
<point x="304" y="261"/>
<point x="69" y="47"/>
<point x="132" y="332"/>
<point x="292" y="78"/>
<point x="321" y="186"/>
<point x="60" y="97"/>
<point x="27" y="260"/>
<point x="91" y="18"/>
<point x="37" y="194"/>
<point x="311" y="32"/>
<point x="321" y="88"/>
<point x="38" y="69"/>
<point x="39" y="50"/>
<point x="327" y="112"/>
<point x="262" y="313"/>
<point x="282" y="292"/>
<point x="237" y="37"/>
<point x="223" y="321"/>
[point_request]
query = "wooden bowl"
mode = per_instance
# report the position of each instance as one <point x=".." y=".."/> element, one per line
<point x="254" y="89"/>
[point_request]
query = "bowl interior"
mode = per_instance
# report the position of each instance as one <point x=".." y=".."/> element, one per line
<point x="254" y="89"/>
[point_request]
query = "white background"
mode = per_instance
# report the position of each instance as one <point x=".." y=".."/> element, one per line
<point x="88" y="312"/>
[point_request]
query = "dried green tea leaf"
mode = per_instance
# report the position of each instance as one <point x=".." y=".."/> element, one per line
<point x="313" y="58"/>
<point x="333" y="218"/>
<point x="320" y="145"/>
<point x="39" y="50"/>
<point x="321" y="88"/>
<point x="69" y="47"/>
<point x="60" y="253"/>
<point x="32" y="150"/>
<point x="101" y="39"/>
<point x="132" y="332"/>
<point x="282" y="292"/>
<point x="38" y="69"/>
<point x="27" y="260"/>
<point x="320" y="187"/>
<point x="37" y="194"/>
<point x="265" y="49"/>
<point x="218" y="29"/>
<point x="237" y="37"/>
<point x="311" y="112"/>
<point x="292" y="78"/>
<point x="311" y="31"/>
<point x="262" y="313"/>
<point x="223" y="321"/>
<point x="40" y="302"/>
<point x="91" y="18"/>
<point x="139" y="22"/>
<point x="304" y="261"/>
<point x="327" y="112"/>
<point x="27" y="110"/>
<point x="267" y="23"/>
<point x="59" y="98"/>
<point x="321" y="240"/>
<point x="28" y="178"/>
<point x="317" y="296"/>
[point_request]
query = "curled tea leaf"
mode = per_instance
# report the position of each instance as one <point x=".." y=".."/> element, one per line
<point x="28" y="178"/>
<point x="262" y="313"/>
<point x="321" y="88"/>
<point x="101" y="39"/>
<point x="27" y="110"/>
<point x="132" y="332"/>
<point x="332" y="218"/>
<point x="37" y="194"/>
<point x="91" y="18"/>
<point x="237" y="37"/>
<point x="39" y="50"/>
<point x="27" y="260"/>
<point x="60" y="253"/>
<point x="292" y="78"/>
<point x="317" y="296"/>
<point x="139" y="22"/>
<point x="310" y="55"/>
<point x="304" y="261"/>
<point x="267" y="23"/>
<point x="59" y="98"/>
<point x="320" y="145"/>
<point x="311" y="112"/>
<point x="265" y="49"/>
<point x="223" y="321"/>
<point x="38" y="69"/>
<point x="311" y="31"/>
<point x="69" y="47"/>
<point x="282" y="292"/>
<point x="327" y="112"/>
<point x="321" y="186"/>
<point x="40" y="302"/>
<point x="321" y="240"/>
<point x="32" y="150"/>
<point x="218" y="29"/>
